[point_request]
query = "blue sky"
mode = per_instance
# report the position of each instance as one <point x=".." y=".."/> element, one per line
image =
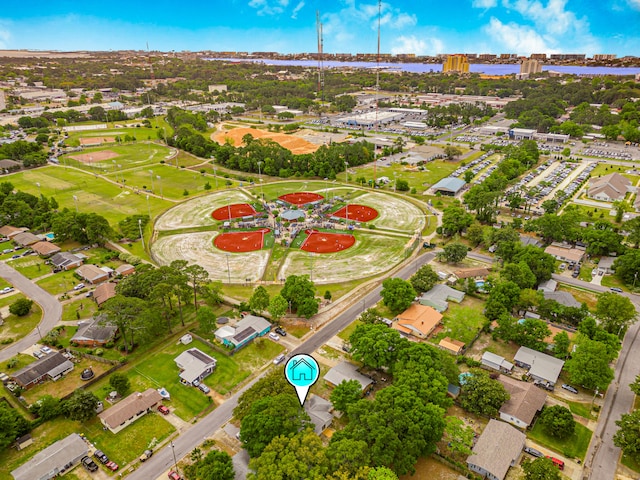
<point x="424" y="27"/>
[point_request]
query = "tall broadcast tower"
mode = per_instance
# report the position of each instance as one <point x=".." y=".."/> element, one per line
<point x="320" y="64"/>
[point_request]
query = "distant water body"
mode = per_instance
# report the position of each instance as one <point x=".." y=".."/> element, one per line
<point x="489" y="69"/>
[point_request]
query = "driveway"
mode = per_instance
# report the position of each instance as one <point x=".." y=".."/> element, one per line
<point x="51" y="308"/>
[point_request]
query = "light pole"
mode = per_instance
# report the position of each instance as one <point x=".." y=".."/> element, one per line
<point x="228" y="268"/>
<point x="151" y="173"/>
<point x="141" y="236"/>
<point x="38" y="328"/>
<point x="160" y="182"/>
<point x="121" y="174"/>
<point x="75" y="200"/>
<point x="175" y="462"/>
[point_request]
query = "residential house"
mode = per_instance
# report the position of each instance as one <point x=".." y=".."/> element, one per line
<point x="417" y="320"/>
<point x="609" y="188"/>
<point x="25" y="239"/>
<point x="125" y="269"/>
<point x="54" y="460"/>
<point x="565" y="253"/>
<point x="449" y="186"/>
<point x="10" y="231"/>
<point x="345" y="371"/>
<point x="526" y="240"/>
<point x="45" y="249"/>
<point x="496" y="362"/>
<point x="66" y="261"/>
<point x="95" y="332"/>
<point x="475" y="273"/>
<point x="440" y="296"/>
<point x="542" y="367"/>
<point x="53" y="366"/>
<point x="548" y="286"/>
<point x="525" y="402"/>
<point x="243" y="332"/>
<point x="129" y="409"/>
<point x="563" y="298"/>
<point x="104" y="292"/>
<point x="452" y="346"/>
<point x="319" y="410"/>
<point x="605" y="265"/>
<point x="194" y="365"/>
<point x="92" y="274"/>
<point x="497" y="449"/>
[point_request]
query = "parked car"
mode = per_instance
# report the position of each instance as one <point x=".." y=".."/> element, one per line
<point x="280" y="331"/>
<point x="15" y="256"/>
<point x="47" y="350"/>
<point x="278" y="359"/>
<point x="164" y="410"/>
<point x="174" y="476"/>
<point x="274" y="336"/>
<point x="100" y="455"/>
<point x="533" y="452"/>
<point x="7" y="250"/>
<point x="89" y="464"/>
<point x="113" y="466"/>
<point x="616" y="289"/>
<point x="38" y="354"/>
<point x="563" y="266"/>
<point x="204" y="388"/>
<point x="6" y="290"/>
<point x="557" y="462"/>
<point x="146" y="455"/>
<point x="79" y="286"/>
<point x="569" y="388"/>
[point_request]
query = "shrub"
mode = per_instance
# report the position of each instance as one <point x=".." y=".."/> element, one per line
<point x="21" y="307"/>
<point x="99" y="352"/>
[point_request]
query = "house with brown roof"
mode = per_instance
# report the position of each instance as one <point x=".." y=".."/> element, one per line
<point x="125" y="269"/>
<point x="497" y="449"/>
<point x="24" y="239"/>
<point x="525" y="402"/>
<point x="104" y="292"/>
<point x="477" y="273"/>
<point x="417" y="320"/>
<point x="10" y="231"/>
<point x="451" y="346"/>
<point x="45" y="249"/>
<point x="565" y="253"/>
<point x="609" y="188"/>
<point x="130" y="409"/>
<point x="92" y="274"/>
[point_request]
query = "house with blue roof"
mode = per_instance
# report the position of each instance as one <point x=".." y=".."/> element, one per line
<point x="240" y="334"/>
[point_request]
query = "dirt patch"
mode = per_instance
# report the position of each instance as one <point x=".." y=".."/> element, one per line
<point x="323" y="242"/>
<point x="291" y="142"/>
<point x="237" y="210"/>
<point x="300" y="198"/>
<point x="241" y="242"/>
<point x="96" y="140"/>
<point x="358" y="213"/>
<point x="95" y="157"/>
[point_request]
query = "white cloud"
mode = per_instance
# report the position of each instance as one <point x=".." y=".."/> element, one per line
<point x="5" y="36"/>
<point x="634" y="4"/>
<point x="517" y="38"/>
<point x="267" y="7"/>
<point x="419" y="46"/>
<point x="484" y="3"/>
<point x="298" y="7"/>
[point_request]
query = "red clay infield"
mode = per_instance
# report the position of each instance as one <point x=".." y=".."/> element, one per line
<point x="238" y="210"/>
<point x="357" y="213"/>
<point x="241" y="241"/>
<point x="300" y="198"/>
<point x="322" y="242"/>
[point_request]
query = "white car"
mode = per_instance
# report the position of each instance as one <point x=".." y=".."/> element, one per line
<point x="46" y="350"/>
<point x="79" y="286"/>
<point x="274" y="336"/>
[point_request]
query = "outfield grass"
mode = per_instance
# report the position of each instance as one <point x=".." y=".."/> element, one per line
<point x="462" y="321"/>
<point x="129" y="156"/>
<point x="574" y="446"/>
<point x="172" y="184"/>
<point x="93" y="194"/>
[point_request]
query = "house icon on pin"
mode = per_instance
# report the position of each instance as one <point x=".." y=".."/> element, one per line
<point x="301" y="371"/>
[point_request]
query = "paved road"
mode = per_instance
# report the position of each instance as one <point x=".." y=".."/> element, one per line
<point x="50" y="306"/>
<point x="191" y="438"/>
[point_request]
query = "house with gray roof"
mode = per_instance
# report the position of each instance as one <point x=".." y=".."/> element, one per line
<point x="440" y="296"/>
<point x="53" y="366"/>
<point x="526" y="240"/>
<point x="66" y="261"/>
<point x="194" y="365"/>
<point x="346" y="371"/>
<point x="525" y="402"/>
<point x="563" y="298"/>
<point x="542" y="367"/>
<point x="450" y="186"/>
<point x="605" y="265"/>
<point x="548" y="285"/>
<point x="243" y="332"/>
<point x="25" y="239"/>
<point x="497" y="449"/>
<point x="496" y="362"/>
<point x="54" y="460"/>
<point x="95" y="332"/>
<point x="319" y="410"/>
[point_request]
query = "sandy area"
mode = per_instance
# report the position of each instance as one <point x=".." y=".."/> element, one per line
<point x="95" y="157"/>
<point x="197" y="248"/>
<point x="291" y="142"/>
<point x="96" y="140"/>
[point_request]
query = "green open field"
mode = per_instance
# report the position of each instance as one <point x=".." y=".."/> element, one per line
<point x="59" y="282"/>
<point x="605" y="169"/>
<point x="120" y="128"/>
<point x="462" y="321"/>
<point x="574" y="446"/>
<point x="93" y="193"/>
<point x="419" y="179"/>
<point x="17" y="327"/>
<point x="128" y="156"/>
<point x="31" y="266"/>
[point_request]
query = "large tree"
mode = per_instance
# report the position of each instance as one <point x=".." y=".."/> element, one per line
<point x="589" y="365"/>
<point x="217" y="465"/>
<point x="268" y="386"/>
<point x="120" y="383"/>
<point x="277" y="307"/>
<point x="125" y="313"/>
<point x="453" y="253"/>
<point x="81" y="406"/>
<point x="459" y="435"/>
<point x="259" y="301"/>
<point x="376" y="345"/>
<point x="455" y="219"/>
<point x="424" y="279"/>
<point x="197" y="276"/>
<point x="502" y="298"/>
<point x="397" y="294"/>
<point x="615" y="312"/>
<point x="12" y="425"/>
<point x="483" y="395"/>
<point x="541" y="469"/>
<point x="558" y="421"/>
<point x="301" y="293"/>
<point x="628" y="435"/>
<point x="345" y="394"/>
<point x="627" y="267"/>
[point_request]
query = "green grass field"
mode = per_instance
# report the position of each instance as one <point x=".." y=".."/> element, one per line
<point x="574" y="446"/>
<point x="462" y="321"/>
<point x="81" y="308"/>
<point x="17" y="327"/>
<point x="605" y="169"/>
<point x="59" y="282"/>
<point x="129" y="155"/>
<point x="418" y="179"/>
<point x="30" y="266"/>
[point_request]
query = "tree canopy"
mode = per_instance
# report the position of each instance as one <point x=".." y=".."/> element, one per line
<point x="397" y="294"/>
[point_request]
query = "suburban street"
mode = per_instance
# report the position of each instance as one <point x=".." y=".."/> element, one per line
<point x="191" y="438"/>
<point x="51" y="308"/>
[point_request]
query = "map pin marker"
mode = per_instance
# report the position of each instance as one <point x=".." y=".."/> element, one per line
<point x="302" y="371"/>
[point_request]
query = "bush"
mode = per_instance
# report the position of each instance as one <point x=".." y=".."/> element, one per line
<point x="99" y="352"/>
<point x="21" y="307"/>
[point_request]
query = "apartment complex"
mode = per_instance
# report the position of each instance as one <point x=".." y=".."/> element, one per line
<point x="456" y="64"/>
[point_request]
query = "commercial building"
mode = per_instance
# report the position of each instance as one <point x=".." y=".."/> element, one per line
<point x="609" y="188"/>
<point x="456" y="64"/>
<point x="450" y="186"/>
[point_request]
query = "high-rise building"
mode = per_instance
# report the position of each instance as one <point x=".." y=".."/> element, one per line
<point x="530" y="66"/>
<point x="456" y="64"/>
<point x="539" y="56"/>
<point x="604" y="56"/>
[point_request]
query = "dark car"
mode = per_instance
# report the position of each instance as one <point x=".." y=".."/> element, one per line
<point x="533" y="452"/>
<point x="89" y="464"/>
<point x="280" y="331"/>
<point x="99" y="454"/>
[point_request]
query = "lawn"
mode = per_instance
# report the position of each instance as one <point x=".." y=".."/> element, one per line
<point x="581" y="409"/>
<point x="129" y="156"/>
<point x="17" y="327"/>
<point x="259" y="352"/>
<point x="606" y="169"/>
<point x="613" y="281"/>
<point x="462" y="321"/>
<point x="30" y="266"/>
<point x="58" y="283"/>
<point x="92" y="193"/>
<point x="22" y="361"/>
<point x="418" y="179"/>
<point x="81" y="307"/>
<point x="582" y="296"/>
<point x="346" y="333"/>
<point x="629" y="462"/>
<point x="574" y="446"/>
